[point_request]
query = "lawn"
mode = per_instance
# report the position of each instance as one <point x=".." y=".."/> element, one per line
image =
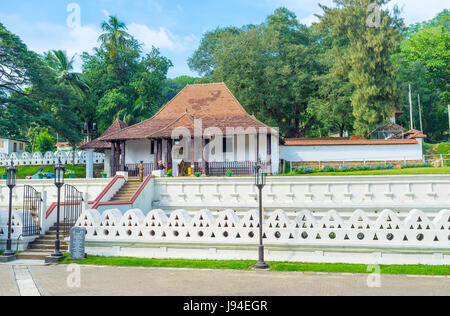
<point x="411" y="171"/>
<point x="79" y="170"/>
<point x="248" y="265"/>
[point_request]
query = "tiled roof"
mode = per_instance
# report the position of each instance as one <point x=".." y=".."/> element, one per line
<point x="344" y="142"/>
<point x="413" y="134"/>
<point x="213" y="103"/>
<point x="100" y="145"/>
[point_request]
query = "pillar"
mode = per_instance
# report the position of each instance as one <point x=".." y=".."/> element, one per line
<point x="123" y="161"/>
<point x="160" y="147"/>
<point x="155" y="154"/>
<point x="269" y="153"/>
<point x="112" y="160"/>
<point x="169" y="160"/>
<point x="205" y="159"/>
<point x="89" y="164"/>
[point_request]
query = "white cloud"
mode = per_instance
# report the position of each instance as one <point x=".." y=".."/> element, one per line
<point x="161" y="38"/>
<point x="414" y="11"/>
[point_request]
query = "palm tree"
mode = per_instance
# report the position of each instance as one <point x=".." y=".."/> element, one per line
<point x="114" y="36"/>
<point x="62" y="65"/>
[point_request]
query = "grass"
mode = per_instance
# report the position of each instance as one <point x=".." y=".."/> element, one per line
<point x="80" y="171"/>
<point x="248" y="265"/>
<point x="412" y="171"/>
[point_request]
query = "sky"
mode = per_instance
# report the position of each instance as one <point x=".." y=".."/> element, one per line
<point x="174" y="26"/>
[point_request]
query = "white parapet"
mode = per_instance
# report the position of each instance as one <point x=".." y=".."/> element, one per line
<point x="415" y="237"/>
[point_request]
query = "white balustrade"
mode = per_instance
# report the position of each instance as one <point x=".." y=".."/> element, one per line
<point x="49" y="158"/>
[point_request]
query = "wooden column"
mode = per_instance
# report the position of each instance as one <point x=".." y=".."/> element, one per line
<point x="192" y="152"/>
<point x="257" y="147"/>
<point x="159" y="150"/>
<point x="112" y="159"/>
<point x="169" y="160"/>
<point x="204" y="158"/>
<point x="269" y="153"/>
<point x="122" y="151"/>
<point x="155" y="154"/>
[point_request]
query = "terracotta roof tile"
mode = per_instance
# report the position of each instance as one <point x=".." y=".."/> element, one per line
<point x="213" y="103"/>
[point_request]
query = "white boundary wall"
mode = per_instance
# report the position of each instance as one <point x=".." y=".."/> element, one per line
<point x="353" y="152"/>
<point x="365" y="219"/>
<point x="372" y="193"/>
<point x="359" y="237"/>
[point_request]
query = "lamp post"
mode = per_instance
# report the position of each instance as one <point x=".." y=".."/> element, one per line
<point x="260" y="182"/>
<point x="11" y="173"/>
<point x="59" y="182"/>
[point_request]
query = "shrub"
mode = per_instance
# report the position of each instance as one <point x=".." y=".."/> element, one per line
<point x="417" y="165"/>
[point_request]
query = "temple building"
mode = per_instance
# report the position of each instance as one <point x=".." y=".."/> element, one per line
<point x="203" y="129"/>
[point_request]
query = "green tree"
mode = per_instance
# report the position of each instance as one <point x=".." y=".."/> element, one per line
<point x="125" y="83"/>
<point x="269" y="67"/>
<point x="44" y="142"/>
<point x="426" y="69"/>
<point x="362" y="55"/>
<point x="173" y="86"/>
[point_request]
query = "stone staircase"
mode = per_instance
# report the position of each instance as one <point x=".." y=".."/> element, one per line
<point x="44" y="246"/>
<point x="128" y="190"/>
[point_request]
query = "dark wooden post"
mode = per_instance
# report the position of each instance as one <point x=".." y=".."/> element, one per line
<point x="257" y="146"/>
<point x="169" y="159"/>
<point x="112" y="160"/>
<point x="192" y="152"/>
<point x="269" y="153"/>
<point x="122" y="150"/>
<point x="155" y="154"/>
<point x="159" y="150"/>
<point x="117" y="156"/>
<point x="204" y="158"/>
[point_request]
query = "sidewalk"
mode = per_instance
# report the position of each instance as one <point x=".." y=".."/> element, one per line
<point x="119" y="281"/>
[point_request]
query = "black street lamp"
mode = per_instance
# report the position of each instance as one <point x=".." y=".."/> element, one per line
<point x="11" y="173"/>
<point x="260" y="182"/>
<point x="59" y="182"/>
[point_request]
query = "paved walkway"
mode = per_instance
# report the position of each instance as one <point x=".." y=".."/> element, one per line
<point x="117" y="281"/>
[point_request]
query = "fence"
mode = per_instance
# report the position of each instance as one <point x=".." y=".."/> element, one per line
<point x="236" y="167"/>
<point x="49" y="158"/>
<point x="133" y="169"/>
<point x="32" y="212"/>
<point x="438" y="160"/>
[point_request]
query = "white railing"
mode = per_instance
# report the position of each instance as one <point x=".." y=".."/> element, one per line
<point x="438" y="160"/>
<point x="49" y="158"/>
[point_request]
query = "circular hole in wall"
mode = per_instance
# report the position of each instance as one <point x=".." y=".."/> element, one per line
<point x="129" y="232"/>
<point x="361" y="236"/>
<point x="304" y="235"/>
<point x="278" y="235"/>
<point x="200" y="234"/>
<point x="176" y="233"/>
<point x="332" y="235"/>
<point x="390" y="237"/>
<point x="252" y="234"/>
<point x="225" y="234"/>
<point x="152" y="233"/>
<point x="420" y="237"/>
<point x="106" y="232"/>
